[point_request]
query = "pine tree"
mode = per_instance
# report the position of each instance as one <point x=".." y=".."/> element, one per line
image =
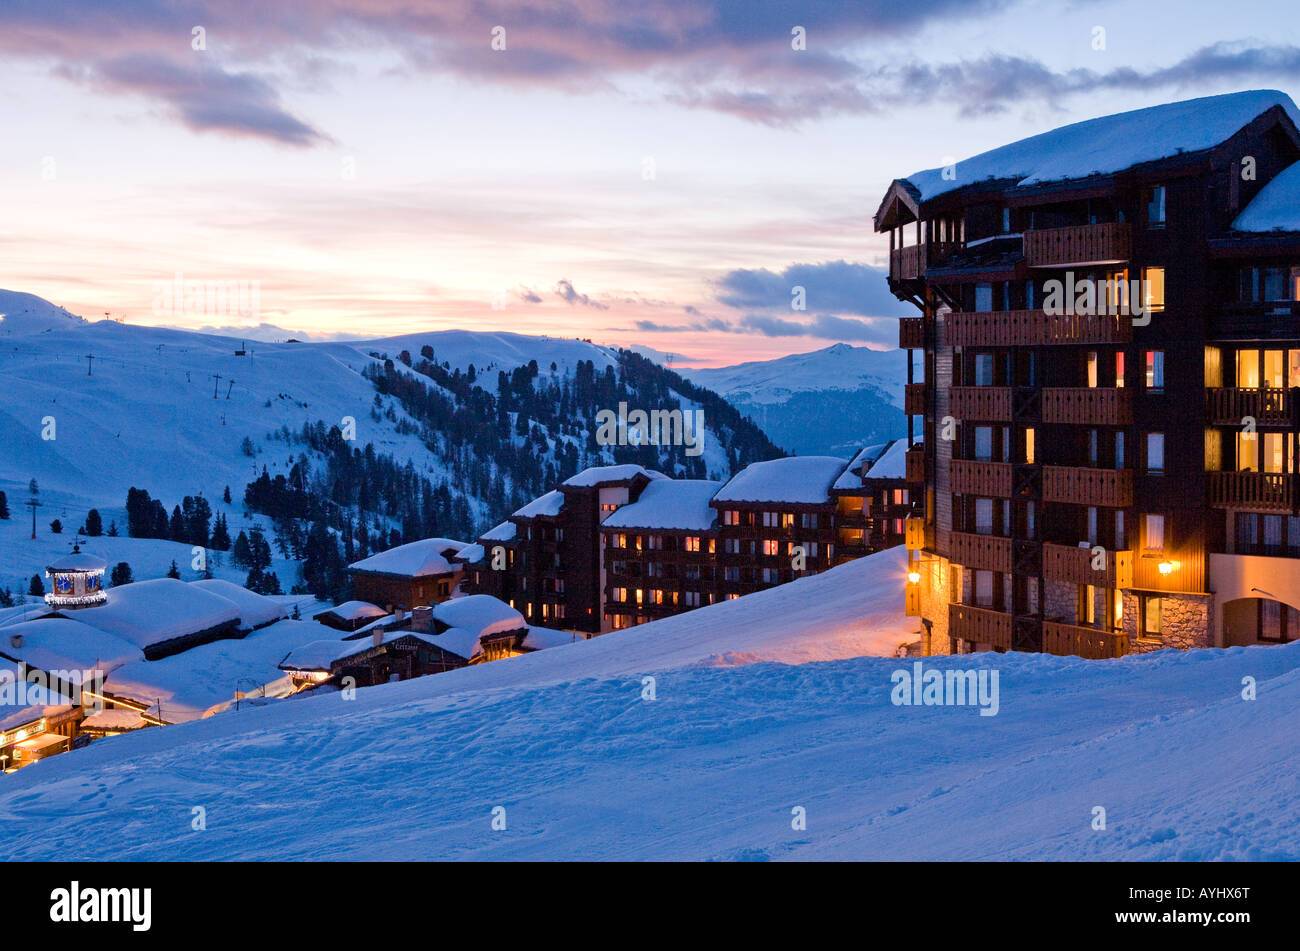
<point x="56" y="527"/>
<point x="121" y="574"/>
<point x="94" y="524"/>
<point x="4" y="506"/>
<point x="220" y="534"/>
<point x="112" y="529"/>
<point x="242" y="555"/>
<point x="176" y="529"/>
<point x="173" y="571"/>
<point x="225" y="496"/>
<point x="36" y="588"/>
<point x="7" y="598"/>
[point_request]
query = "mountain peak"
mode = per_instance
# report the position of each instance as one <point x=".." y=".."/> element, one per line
<point x="22" y="313"/>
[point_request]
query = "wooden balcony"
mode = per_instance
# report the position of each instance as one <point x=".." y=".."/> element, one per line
<point x="986" y="552"/>
<point x="1269" y="405"/>
<point x="914" y="399"/>
<point x="1088" y="405"/>
<point x="1034" y="328"/>
<point x="916" y="465"/>
<point x="911" y="333"/>
<point x="980" y="625"/>
<point x="985" y="479"/>
<point x="1252" y="491"/>
<point x="1108" y="243"/>
<point x="1073" y="564"/>
<point x="907" y="264"/>
<point x="1112" y="488"/>
<point x="1086" y="642"/>
<point x="992" y="403"/>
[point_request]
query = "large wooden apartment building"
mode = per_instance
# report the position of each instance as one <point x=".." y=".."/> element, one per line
<point x="1114" y="469"/>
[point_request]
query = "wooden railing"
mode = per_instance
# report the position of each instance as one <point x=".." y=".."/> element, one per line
<point x="986" y="552"/>
<point x="1081" y="244"/>
<point x="914" y="399"/>
<point x="980" y="625"/>
<point x="906" y="264"/>
<point x="1268" y="405"/>
<point x="985" y="479"/>
<point x="980" y="402"/>
<point x="1253" y="491"/>
<point x="1112" y="488"/>
<point x="1075" y="565"/>
<point x="911" y="333"/>
<point x="1087" y="642"/>
<point x="1027" y="328"/>
<point x="1088" y="405"/>
<point x="915" y="465"/>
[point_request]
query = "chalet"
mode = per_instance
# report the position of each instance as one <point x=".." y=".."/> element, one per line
<point x="350" y="615"/>
<point x="660" y="552"/>
<point x="420" y="572"/>
<point x="776" y="523"/>
<point x="387" y="655"/>
<point x="1109" y="338"/>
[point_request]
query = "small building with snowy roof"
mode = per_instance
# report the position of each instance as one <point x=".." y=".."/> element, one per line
<point x="255" y="610"/>
<point x="76" y="581"/>
<point x="419" y="572"/>
<point x="383" y="657"/>
<point x="350" y="615"/>
<point x="872" y="501"/>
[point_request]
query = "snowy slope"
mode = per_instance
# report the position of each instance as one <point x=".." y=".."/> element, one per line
<point x="22" y="314"/>
<point x="828" y="402"/>
<point x="711" y="768"/>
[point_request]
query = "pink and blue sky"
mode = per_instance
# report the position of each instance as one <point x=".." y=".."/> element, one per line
<point x="655" y="173"/>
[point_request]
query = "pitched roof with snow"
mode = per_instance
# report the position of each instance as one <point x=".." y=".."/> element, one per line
<point x="428" y="556"/>
<point x="502" y="533"/>
<point x="479" y="612"/>
<point x="680" y="504"/>
<point x="461" y="641"/>
<point x="1276" y="207"/>
<point x="542" y="638"/>
<point x="799" y="480"/>
<point x="161" y="609"/>
<point x="65" y="644"/>
<point x="78" y="561"/>
<point x="851" y="477"/>
<point x="471" y="554"/>
<point x="354" y="610"/>
<point x="255" y="610"/>
<point x="620" y="473"/>
<point x="549" y="504"/>
<point x="891" y="464"/>
<point x="1108" y="144"/>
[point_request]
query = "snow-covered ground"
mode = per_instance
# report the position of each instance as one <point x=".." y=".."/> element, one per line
<point x="759" y="707"/>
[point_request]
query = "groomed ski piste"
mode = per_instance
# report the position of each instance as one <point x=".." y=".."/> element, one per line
<point x="764" y="710"/>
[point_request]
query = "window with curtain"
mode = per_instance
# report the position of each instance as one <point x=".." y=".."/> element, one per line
<point x="1155" y="453"/>
<point x="1154" y="530"/>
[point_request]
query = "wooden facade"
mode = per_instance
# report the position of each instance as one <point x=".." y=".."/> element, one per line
<point x="1101" y="457"/>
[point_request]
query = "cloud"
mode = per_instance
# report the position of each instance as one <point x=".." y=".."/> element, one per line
<point x="566" y="292"/>
<point x="204" y="98"/>
<point x="528" y="296"/>
<point x="831" y="286"/>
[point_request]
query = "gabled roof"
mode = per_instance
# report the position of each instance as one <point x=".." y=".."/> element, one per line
<point x="619" y="473"/>
<point x="670" y="504"/>
<point x="798" y="480"/>
<point x="428" y="556"/>
<point x="1100" y="146"/>
<point x="549" y="504"/>
<point x="1276" y="207"/>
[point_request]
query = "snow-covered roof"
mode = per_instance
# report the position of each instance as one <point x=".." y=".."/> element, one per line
<point x="150" y="612"/>
<point x="321" y="655"/>
<point x="892" y="463"/>
<point x="797" y="480"/>
<point x="65" y="644"/>
<point x="502" y="533"/>
<point x="428" y="556"/>
<point x="620" y="473"/>
<point x="78" y="561"/>
<point x="1110" y="143"/>
<point x="114" y="720"/>
<point x="851" y="477"/>
<point x="1276" y="207"/>
<point x="479" y="612"/>
<point x="669" y="504"/>
<point x="471" y="554"/>
<point x="541" y="638"/>
<point x="255" y="610"/>
<point x="460" y="641"/>
<point x="354" y="611"/>
<point x="549" y="504"/>
<point x="40" y="701"/>
<point x="24" y="612"/>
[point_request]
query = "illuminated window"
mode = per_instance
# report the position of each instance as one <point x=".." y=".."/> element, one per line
<point x="771" y="547"/>
<point x="1119" y="369"/>
<point x="1092" y="369"/>
<point x="1155" y="369"/>
<point x="1155" y="453"/>
<point x="692" y="542"/>
<point x="1153" y="281"/>
<point x="1154" y="529"/>
<point x="1152" y="609"/>
<point x="1029" y="446"/>
<point x="1248" y="369"/>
